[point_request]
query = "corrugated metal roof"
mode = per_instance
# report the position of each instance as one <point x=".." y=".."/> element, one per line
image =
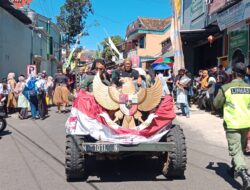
<point x="8" y="6"/>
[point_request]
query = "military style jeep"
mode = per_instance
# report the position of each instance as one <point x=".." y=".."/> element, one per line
<point x="112" y="123"/>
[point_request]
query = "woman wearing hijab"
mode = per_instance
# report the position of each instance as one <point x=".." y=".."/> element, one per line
<point x="204" y="80"/>
<point x="30" y="92"/>
<point x="50" y="85"/>
<point x="22" y="102"/>
<point x="11" y="104"/>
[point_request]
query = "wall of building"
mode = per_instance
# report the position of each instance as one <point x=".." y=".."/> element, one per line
<point x="193" y="14"/>
<point x="153" y="44"/>
<point x="15" y="45"/>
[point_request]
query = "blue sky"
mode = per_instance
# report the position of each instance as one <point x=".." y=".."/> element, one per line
<point x="112" y="15"/>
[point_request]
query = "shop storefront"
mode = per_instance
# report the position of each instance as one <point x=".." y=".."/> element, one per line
<point x="235" y="21"/>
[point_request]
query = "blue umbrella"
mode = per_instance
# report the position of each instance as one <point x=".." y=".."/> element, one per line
<point x="161" y="67"/>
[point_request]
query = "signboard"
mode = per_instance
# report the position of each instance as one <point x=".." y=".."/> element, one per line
<point x="135" y="61"/>
<point x="216" y="5"/>
<point x="234" y="14"/>
<point x="238" y="44"/>
<point x="20" y="3"/>
<point x="197" y="8"/>
<point x="31" y="70"/>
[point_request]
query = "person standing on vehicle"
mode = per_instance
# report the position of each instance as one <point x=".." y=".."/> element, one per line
<point x="235" y="98"/>
<point x="97" y="67"/>
<point x="125" y="72"/>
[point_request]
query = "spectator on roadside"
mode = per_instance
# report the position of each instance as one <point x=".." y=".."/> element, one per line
<point x="61" y="93"/>
<point x="222" y="71"/>
<point x="42" y="90"/>
<point x="181" y="83"/>
<point x="247" y="76"/>
<point x="50" y="91"/>
<point x="30" y="92"/>
<point x="22" y="103"/>
<point x="71" y="79"/>
<point x="12" y="103"/>
<point x="211" y="90"/>
<point x="164" y="79"/>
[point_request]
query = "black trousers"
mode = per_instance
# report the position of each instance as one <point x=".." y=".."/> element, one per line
<point x="42" y="106"/>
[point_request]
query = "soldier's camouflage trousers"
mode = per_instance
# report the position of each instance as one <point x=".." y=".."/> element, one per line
<point x="237" y="140"/>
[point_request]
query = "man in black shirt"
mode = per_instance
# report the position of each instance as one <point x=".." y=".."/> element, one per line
<point x="125" y="72"/>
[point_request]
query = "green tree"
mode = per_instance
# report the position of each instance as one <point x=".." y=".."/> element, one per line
<point x="107" y="53"/>
<point x="72" y="18"/>
<point x="98" y="53"/>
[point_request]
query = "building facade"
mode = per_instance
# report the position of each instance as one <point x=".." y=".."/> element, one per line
<point x="215" y="32"/>
<point x="143" y="40"/>
<point x="27" y="38"/>
<point x="15" y="41"/>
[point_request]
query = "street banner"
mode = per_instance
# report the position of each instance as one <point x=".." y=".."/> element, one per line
<point x="86" y="119"/>
<point x="68" y="61"/>
<point x="112" y="45"/>
<point x="175" y="37"/>
<point x="20" y="3"/>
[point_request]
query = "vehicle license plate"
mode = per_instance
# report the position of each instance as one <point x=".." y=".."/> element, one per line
<point x="92" y="147"/>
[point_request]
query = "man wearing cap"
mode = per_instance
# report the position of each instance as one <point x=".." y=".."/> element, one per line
<point x="234" y="97"/>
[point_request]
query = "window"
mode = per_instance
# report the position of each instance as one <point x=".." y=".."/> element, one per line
<point x="142" y="42"/>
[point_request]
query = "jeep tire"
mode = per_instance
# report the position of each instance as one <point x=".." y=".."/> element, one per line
<point x="174" y="163"/>
<point x="75" y="167"/>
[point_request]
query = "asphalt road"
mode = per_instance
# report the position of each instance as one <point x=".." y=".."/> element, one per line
<point x="32" y="158"/>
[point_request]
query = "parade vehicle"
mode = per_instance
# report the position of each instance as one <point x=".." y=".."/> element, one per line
<point x="113" y="123"/>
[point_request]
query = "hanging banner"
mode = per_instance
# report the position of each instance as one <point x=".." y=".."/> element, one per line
<point x="20" y="3"/>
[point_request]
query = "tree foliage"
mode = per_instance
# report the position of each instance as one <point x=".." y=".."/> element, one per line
<point x="72" y="18"/>
<point x="107" y="53"/>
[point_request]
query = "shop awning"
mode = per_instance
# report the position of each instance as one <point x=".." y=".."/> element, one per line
<point x="199" y="34"/>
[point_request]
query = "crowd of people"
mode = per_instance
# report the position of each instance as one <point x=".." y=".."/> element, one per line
<point x="34" y="93"/>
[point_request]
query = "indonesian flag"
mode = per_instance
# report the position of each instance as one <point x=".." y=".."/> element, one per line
<point x="86" y="119"/>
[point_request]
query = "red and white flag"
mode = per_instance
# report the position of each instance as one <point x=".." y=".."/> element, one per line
<point x="86" y="119"/>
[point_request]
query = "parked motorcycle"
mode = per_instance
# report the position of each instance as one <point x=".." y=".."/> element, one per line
<point x="3" y="122"/>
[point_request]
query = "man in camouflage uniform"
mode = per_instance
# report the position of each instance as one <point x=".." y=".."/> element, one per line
<point x="234" y="97"/>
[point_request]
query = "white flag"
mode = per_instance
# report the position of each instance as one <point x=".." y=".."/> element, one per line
<point x="112" y="45"/>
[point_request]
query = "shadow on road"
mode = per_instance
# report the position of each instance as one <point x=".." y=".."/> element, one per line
<point x="223" y="170"/>
<point x="4" y="133"/>
<point x="130" y="169"/>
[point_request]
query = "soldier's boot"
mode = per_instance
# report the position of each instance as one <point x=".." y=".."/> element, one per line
<point x="245" y="178"/>
<point x="248" y="143"/>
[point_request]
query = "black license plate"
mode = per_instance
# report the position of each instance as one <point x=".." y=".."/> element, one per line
<point x="102" y="148"/>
